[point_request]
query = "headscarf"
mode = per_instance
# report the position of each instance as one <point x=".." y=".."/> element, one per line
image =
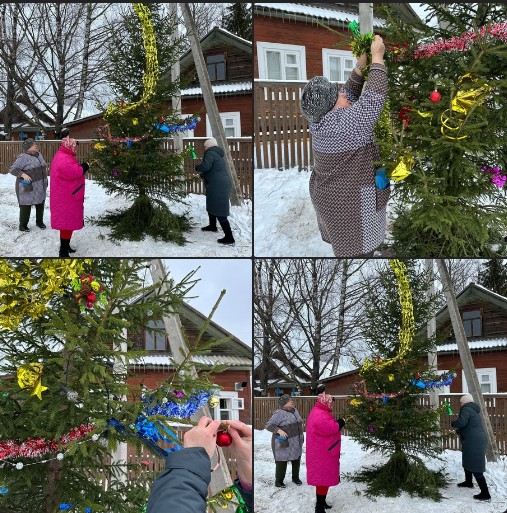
<point x="325" y="399"/>
<point x="210" y="142"/>
<point x="69" y="143"/>
<point x="467" y="398"/>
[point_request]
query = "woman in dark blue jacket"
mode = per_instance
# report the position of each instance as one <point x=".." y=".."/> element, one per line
<point x="218" y="186"/>
<point x="474" y="443"/>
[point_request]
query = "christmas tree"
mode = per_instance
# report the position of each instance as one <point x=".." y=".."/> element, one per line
<point x="386" y="412"/>
<point x="448" y="112"/>
<point x="493" y="276"/>
<point x="64" y="400"/>
<point x="131" y="158"/>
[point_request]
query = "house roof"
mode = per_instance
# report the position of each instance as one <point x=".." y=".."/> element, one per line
<point x="214" y="36"/>
<point x="476" y="344"/>
<point x="166" y="361"/>
<point x="233" y="87"/>
<point x="471" y="293"/>
<point x="335" y="14"/>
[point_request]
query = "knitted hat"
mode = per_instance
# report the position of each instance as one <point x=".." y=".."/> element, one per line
<point x="28" y="143"/>
<point x="210" y="142"/>
<point x="325" y="399"/>
<point x="284" y="399"/>
<point x="318" y="98"/>
<point x="69" y="143"/>
<point x="467" y="398"/>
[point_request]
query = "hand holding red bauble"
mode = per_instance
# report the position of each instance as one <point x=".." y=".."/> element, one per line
<point x="224" y="439"/>
<point x="435" y="96"/>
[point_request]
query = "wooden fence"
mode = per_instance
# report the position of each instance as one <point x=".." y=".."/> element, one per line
<point x="496" y="405"/>
<point x="240" y="147"/>
<point x="282" y="137"/>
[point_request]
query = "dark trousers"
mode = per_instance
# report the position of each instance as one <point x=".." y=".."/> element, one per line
<point x="24" y="213"/>
<point x="281" y="469"/>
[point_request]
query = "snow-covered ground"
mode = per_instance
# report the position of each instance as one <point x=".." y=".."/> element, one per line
<point x="348" y="496"/>
<point x="92" y="240"/>
<point x="284" y="217"/>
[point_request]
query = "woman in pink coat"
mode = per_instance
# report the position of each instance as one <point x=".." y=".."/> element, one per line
<point x="67" y="191"/>
<point x="323" y="446"/>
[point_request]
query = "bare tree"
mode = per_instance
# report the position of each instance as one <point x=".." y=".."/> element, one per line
<point x="463" y="272"/>
<point x="61" y="63"/>
<point x="206" y="16"/>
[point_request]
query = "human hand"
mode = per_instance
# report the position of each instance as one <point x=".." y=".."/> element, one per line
<point x="363" y="60"/>
<point x="282" y="433"/>
<point x="241" y="447"/>
<point x="377" y="47"/>
<point x="25" y="177"/>
<point x="204" y="434"/>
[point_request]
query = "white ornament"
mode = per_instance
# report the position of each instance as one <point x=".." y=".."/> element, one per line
<point x="95" y="437"/>
<point x="164" y="400"/>
<point x="72" y="396"/>
<point x="19" y="465"/>
<point x="59" y="456"/>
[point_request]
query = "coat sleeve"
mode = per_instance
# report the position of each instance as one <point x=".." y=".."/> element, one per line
<point x="274" y="422"/>
<point x="462" y="420"/>
<point x="206" y="164"/>
<point x="354" y="86"/>
<point x="73" y="169"/>
<point x="17" y="167"/>
<point x="328" y="425"/>
<point x="184" y="482"/>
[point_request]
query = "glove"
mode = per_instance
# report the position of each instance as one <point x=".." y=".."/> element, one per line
<point x="341" y="423"/>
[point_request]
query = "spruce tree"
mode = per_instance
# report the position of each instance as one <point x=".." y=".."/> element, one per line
<point x="493" y="276"/>
<point x="132" y="157"/>
<point x="448" y="101"/>
<point x="386" y="412"/>
<point x="78" y="346"/>
<point x="237" y="19"/>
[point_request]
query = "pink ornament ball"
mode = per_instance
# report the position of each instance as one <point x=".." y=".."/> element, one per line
<point x="435" y="96"/>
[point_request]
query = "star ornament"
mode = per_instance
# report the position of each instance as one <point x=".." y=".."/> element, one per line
<point x="29" y="376"/>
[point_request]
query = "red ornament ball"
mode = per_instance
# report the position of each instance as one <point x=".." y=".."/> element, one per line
<point x="435" y="96"/>
<point x="224" y="439"/>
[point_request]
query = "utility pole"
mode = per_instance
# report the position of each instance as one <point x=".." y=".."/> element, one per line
<point x="210" y="102"/>
<point x="431" y="329"/>
<point x="175" y="75"/>
<point x="365" y="17"/>
<point x="221" y="477"/>
<point x="466" y="357"/>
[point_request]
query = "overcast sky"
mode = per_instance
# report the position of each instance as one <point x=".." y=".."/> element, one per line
<point x="419" y="10"/>
<point x="234" y="312"/>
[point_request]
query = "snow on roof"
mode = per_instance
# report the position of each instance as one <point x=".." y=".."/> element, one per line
<point x="236" y="36"/>
<point x="489" y="343"/>
<point x="167" y="361"/>
<point x="317" y="12"/>
<point x="499" y="296"/>
<point x="219" y="88"/>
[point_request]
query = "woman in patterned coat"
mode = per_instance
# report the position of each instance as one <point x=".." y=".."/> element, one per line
<point x="351" y="211"/>
<point x="31" y="184"/>
<point x="287" y="442"/>
<point x="323" y="448"/>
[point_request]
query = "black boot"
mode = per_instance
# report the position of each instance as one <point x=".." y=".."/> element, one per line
<point x="320" y="506"/>
<point x="64" y="248"/>
<point x="212" y="227"/>
<point x="281" y="469"/>
<point x="484" y="495"/>
<point x="39" y="213"/>
<point x="326" y="505"/>
<point x="295" y="472"/>
<point x="467" y="483"/>
<point x="24" y="217"/>
<point x="228" y="239"/>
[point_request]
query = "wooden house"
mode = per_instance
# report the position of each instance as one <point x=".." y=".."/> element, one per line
<point x="484" y="316"/>
<point x="235" y="382"/>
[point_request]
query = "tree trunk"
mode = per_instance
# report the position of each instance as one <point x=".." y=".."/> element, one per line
<point x="466" y="357"/>
<point x="341" y="317"/>
<point x="86" y="56"/>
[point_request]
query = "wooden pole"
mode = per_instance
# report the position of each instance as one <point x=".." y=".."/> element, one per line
<point x="466" y="357"/>
<point x="431" y="329"/>
<point x="210" y="102"/>
<point x="175" y="75"/>
<point x="220" y="478"/>
<point x="365" y="17"/>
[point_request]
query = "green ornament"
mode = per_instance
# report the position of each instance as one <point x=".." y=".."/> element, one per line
<point x="354" y="26"/>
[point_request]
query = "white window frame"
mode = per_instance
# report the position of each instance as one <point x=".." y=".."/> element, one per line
<point x="490" y="371"/>
<point x="263" y="47"/>
<point x="156" y="333"/>
<point x="342" y="54"/>
<point x="233" y="400"/>
<point x="235" y="116"/>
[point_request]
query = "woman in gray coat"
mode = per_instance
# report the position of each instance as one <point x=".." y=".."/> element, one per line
<point x="473" y="445"/>
<point x="287" y="442"/>
<point x="218" y="186"/>
<point x="31" y="184"/>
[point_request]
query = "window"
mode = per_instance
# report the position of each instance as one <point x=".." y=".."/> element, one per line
<point x="187" y="133"/>
<point x="337" y="64"/>
<point x="228" y="407"/>
<point x="231" y="121"/>
<point x="155" y="336"/>
<point x="472" y="323"/>
<point x="281" y="62"/>
<point x="487" y="381"/>
<point x="216" y="67"/>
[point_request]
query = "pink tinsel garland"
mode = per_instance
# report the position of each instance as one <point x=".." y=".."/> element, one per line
<point x="33" y="448"/>
<point x="461" y="43"/>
